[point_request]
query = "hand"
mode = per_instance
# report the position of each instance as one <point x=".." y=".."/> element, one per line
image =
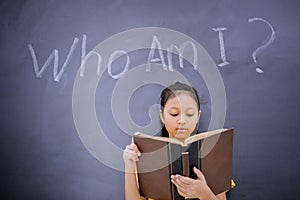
<point x="191" y="188"/>
<point x="131" y="155"/>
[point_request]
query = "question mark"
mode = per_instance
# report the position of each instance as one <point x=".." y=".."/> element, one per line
<point x="264" y="46"/>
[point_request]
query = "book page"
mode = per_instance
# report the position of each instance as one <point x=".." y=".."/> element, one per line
<point x="201" y="136"/>
<point x="187" y="141"/>
<point x="163" y="139"/>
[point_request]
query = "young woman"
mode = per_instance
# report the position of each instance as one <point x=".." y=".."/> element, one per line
<point x="180" y="113"/>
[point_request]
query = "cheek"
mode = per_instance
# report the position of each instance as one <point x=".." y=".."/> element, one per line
<point x="193" y="123"/>
<point x="170" y="123"/>
<point x="194" y="120"/>
<point x="171" y="130"/>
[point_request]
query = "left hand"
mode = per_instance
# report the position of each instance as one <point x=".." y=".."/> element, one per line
<point x="191" y="188"/>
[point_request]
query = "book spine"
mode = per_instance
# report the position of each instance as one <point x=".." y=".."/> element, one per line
<point x="185" y="162"/>
<point x="194" y="157"/>
<point x="175" y="167"/>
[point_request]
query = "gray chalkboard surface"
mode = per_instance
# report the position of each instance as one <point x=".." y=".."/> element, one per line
<point x="46" y="148"/>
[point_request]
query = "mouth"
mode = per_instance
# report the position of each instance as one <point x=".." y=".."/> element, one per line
<point x="181" y="130"/>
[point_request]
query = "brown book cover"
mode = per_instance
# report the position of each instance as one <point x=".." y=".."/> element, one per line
<point x="211" y="152"/>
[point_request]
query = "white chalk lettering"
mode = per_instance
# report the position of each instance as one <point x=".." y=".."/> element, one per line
<point x="180" y="51"/>
<point x="54" y="55"/>
<point x="85" y="57"/>
<point x="83" y="49"/>
<point x="99" y="62"/>
<point x="264" y="46"/>
<point x="111" y="59"/>
<point x="222" y="46"/>
<point x="155" y="45"/>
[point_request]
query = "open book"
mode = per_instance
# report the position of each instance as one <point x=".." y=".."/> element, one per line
<point x="211" y="152"/>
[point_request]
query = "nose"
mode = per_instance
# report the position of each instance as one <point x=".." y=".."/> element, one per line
<point x="181" y="120"/>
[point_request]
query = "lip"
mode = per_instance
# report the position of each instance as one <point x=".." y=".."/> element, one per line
<point x="181" y="129"/>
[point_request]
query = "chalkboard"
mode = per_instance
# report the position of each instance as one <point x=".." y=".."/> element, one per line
<point x="242" y="57"/>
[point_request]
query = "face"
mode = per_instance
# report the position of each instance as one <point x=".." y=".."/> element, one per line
<point x="180" y="115"/>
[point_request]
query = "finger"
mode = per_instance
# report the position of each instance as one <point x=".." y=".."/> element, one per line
<point x="180" y="182"/>
<point x="131" y="155"/>
<point x="180" y="189"/>
<point x="133" y="147"/>
<point x="185" y="180"/>
<point x="175" y="180"/>
<point x="182" y="192"/>
<point x="198" y="173"/>
<point x="130" y="151"/>
<point x="177" y="184"/>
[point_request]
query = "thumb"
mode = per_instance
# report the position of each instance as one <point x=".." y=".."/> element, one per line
<point x="198" y="173"/>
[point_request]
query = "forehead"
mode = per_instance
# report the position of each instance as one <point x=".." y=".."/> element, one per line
<point x="181" y="100"/>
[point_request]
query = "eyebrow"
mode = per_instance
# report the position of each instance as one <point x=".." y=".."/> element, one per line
<point x="173" y="107"/>
<point x="178" y="108"/>
<point x="190" y="108"/>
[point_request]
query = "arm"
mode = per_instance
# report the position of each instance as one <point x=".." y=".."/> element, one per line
<point x="130" y="156"/>
<point x="195" y="188"/>
<point x="221" y="196"/>
<point x="131" y="188"/>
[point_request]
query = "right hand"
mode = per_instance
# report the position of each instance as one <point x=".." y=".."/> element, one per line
<point x="131" y="155"/>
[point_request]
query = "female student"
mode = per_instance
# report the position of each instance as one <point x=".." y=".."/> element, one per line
<point x="180" y="113"/>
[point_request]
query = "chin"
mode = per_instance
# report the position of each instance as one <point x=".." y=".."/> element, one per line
<point x="181" y="136"/>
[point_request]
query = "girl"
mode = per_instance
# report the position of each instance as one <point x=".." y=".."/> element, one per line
<point x="180" y="113"/>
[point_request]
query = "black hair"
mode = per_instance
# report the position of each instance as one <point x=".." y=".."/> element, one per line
<point x="170" y="92"/>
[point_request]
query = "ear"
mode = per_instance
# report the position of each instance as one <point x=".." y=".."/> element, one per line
<point x="161" y="114"/>
<point x="199" y="114"/>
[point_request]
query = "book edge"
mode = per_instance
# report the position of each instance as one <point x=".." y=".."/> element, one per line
<point x="187" y="141"/>
<point x="203" y="135"/>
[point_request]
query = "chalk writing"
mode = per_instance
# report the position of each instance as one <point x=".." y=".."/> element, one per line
<point x="112" y="58"/>
<point x="222" y="47"/>
<point x="155" y="46"/>
<point x="87" y="57"/>
<point x="83" y="52"/>
<point x="56" y="75"/>
<point x="180" y="51"/>
<point x="264" y="46"/>
<point x="171" y="49"/>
